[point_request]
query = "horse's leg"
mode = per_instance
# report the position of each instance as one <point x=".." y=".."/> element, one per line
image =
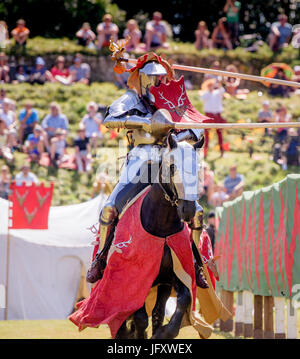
<point x="123" y="332"/>
<point x="158" y="313"/>
<point x="171" y="330"/>
<point x="140" y="319"/>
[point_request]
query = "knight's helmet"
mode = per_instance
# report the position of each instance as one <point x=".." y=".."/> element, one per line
<point x="151" y="74"/>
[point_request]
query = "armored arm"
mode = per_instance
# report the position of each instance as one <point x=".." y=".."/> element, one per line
<point x="130" y="122"/>
<point x="128" y="112"/>
<point x="186" y="135"/>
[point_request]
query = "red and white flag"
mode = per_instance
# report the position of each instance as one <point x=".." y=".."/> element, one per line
<point x="29" y="206"/>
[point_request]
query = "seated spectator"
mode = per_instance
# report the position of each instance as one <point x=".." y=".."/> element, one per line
<point x="234" y="183"/>
<point x="2" y="96"/>
<point x="54" y="121"/>
<point x="85" y="36"/>
<point x="26" y="176"/>
<point x="82" y="151"/>
<point x="265" y="114"/>
<point x="217" y="196"/>
<point x="291" y="149"/>
<point x="156" y="33"/>
<point x="279" y="90"/>
<point x="5" y="147"/>
<point x="281" y="115"/>
<point x="5" y="179"/>
<point x="280" y="34"/>
<point x="91" y="122"/>
<point x="101" y="185"/>
<point x="232" y="9"/>
<point x="34" y="145"/>
<point x="60" y="73"/>
<point x="58" y="147"/>
<point x="28" y="119"/>
<point x="202" y="36"/>
<point x="79" y="71"/>
<point x="21" y="75"/>
<point x="20" y="33"/>
<point x="9" y="117"/>
<point x="4" y="34"/>
<point x="106" y="30"/>
<point x="221" y="35"/>
<point x="4" y="69"/>
<point x="133" y="34"/>
<point x="232" y="84"/>
<point x="39" y="73"/>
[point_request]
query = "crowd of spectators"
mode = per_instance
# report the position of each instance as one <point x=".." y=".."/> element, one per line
<point x="46" y="138"/>
<point x="79" y="71"/>
<point x="216" y="192"/>
<point x="155" y="36"/>
<point x="34" y="136"/>
<point x="224" y="35"/>
<point x="286" y="141"/>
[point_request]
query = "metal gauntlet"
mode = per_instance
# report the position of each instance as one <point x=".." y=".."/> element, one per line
<point x="133" y="122"/>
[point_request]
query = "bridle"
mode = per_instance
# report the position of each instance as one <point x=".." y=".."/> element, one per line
<point x="174" y="200"/>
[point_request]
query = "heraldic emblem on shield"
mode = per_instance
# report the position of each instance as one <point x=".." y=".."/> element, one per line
<point x="173" y="97"/>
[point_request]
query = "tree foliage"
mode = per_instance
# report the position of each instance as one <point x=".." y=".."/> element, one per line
<point x="184" y="15"/>
<point x="62" y="18"/>
<point x="57" y="18"/>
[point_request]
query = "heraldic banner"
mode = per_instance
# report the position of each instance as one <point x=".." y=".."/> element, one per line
<point x="29" y="206"/>
<point x="258" y="240"/>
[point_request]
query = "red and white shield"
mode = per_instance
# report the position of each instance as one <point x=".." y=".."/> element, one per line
<point x="173" y="97"/>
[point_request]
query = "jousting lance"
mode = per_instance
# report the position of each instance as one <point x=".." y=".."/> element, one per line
<point x="203" y="125"/>
<point x="204" y="70"/>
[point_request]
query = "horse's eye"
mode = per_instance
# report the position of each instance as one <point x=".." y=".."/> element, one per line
<point x="172" y="169"/>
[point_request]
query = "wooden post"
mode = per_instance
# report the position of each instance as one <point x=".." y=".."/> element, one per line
<point x="279" y="304"/>
<point x="291" y="321"/>
<point x="239" y="315"/>
<point x="248" y="319"/>
<point x="258" y="317"/>
<point x="227" y="299"/>
<point x="268" y="318"/>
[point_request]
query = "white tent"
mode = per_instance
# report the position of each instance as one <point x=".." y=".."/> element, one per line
<point x="45" y="266"/>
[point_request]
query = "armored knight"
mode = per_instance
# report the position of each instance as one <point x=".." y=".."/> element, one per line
<point x="148" y="128"/>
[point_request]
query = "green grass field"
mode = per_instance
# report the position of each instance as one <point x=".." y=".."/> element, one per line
<point x="64" y="329"/>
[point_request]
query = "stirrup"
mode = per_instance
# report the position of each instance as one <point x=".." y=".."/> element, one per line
<point x="200" y="277"/>
<point x="97" y="269"/>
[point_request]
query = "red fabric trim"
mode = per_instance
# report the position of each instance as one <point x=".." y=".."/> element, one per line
<point x="133" y="264"/>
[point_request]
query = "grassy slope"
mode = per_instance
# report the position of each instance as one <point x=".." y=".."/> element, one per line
<point x="74" y="188"/>
<point x="40" y="46"/>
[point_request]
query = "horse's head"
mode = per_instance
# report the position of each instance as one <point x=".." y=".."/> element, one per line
<point x="180" y="176"/>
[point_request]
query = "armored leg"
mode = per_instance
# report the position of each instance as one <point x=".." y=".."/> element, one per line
<point x="107" y="218"/>
<point x="197" y="226"/>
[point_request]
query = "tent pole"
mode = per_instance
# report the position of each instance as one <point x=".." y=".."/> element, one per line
<point x="7" y="264"/>
<point x="7" y="255"/>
